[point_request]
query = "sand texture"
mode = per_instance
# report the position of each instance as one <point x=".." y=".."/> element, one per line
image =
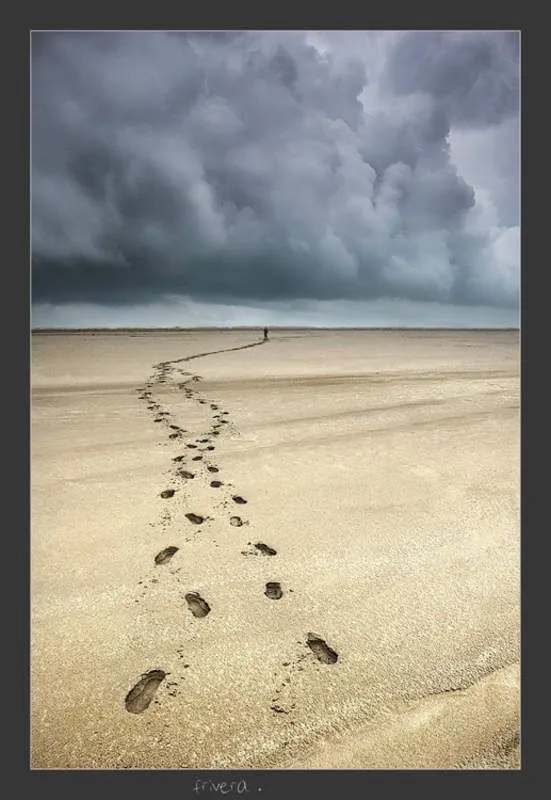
<point x="302" y="553"/>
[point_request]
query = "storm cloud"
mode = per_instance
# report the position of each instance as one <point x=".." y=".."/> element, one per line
<point x="247" y="167"/>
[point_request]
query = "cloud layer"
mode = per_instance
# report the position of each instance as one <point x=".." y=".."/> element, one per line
<point x="265" y="166"/>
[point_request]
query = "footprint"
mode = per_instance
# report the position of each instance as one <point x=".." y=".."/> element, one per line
<point x="185" y="474"/>
<point x="321" y="649"/>
<point x="197" y="519"/>
<point x="213" y="469"/>
<point x="198" y="606"/>
<point x="238" y="499"/>
<point x="237" y="522"/>
<point x="216" y="484"/>
<point x="210" y="447"/>
<point x="178" y="458"/>
<point x="197" y="458"/>
<point x="273" y="590"/>
<point x="215" y="433"/>
<point x="203" y="441"/>
<point x="265" y="549"/>
<point x="192" y="446"/>
<point x="283" y="693"/>
<point x="165" y="555"/>
<point x="139" y="698"/>
<point x="167" y="493"/>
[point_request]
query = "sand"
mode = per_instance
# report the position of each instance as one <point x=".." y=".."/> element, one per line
<point x="383" y="469"/>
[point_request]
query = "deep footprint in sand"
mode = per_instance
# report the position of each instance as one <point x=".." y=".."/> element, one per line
<point x="178" y="458"/>
<point x="197" y="458"/>
<point x="321" y="649"/>
<point x="197" y="606"/>
<point x="165" y="555"/>
<point x="237" y="522"/>
<point x="139" y="698"/>
<point x="216" y="484"/>
<point x="238" y="499"/>
<point x="265" y="549"/>
<point x="166" y="493"/>
<point x="197" y="519"/>
<point x="213" y="469"/>
<point x="273" y="590"/>
<point x="183" y="473"/>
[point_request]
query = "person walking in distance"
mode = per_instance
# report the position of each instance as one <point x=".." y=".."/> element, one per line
<point x="265" y="334"/>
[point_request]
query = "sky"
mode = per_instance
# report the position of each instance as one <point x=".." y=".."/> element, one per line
<point x="364" y="178"/>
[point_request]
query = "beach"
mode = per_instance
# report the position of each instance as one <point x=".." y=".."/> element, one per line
<point x="295" y="554"/>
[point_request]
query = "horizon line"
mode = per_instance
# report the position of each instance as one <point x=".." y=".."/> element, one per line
<point x="54" y="328"/>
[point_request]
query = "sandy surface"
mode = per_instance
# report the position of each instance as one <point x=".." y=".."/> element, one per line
<point x="383" y="467"/>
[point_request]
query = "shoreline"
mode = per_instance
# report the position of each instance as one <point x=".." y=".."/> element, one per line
<point x="250" y="328"/>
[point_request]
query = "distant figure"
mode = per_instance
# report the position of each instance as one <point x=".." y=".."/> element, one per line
<point x="265" y="334"/>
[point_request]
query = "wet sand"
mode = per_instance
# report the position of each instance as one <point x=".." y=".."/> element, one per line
<point x="382" y="467"/>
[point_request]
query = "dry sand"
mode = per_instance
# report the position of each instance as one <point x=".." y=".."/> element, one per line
<point x="382" y="466"/>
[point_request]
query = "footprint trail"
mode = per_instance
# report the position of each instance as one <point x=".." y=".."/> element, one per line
<point x="190" y="469"/>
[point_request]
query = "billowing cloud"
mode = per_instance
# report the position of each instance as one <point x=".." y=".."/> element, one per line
<point x="252" y="167"/>
<point x="472" y="74"/>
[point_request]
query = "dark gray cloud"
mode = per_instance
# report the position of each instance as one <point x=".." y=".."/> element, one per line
<point x="473" y="75"/>
<point x="249" y="166"/>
